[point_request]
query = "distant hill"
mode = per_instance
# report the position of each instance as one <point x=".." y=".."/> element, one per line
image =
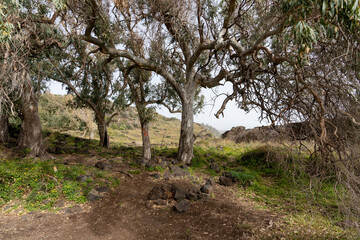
<point x="56" y="114"/>
<point x="290" y="132"/>
<point x="213" y="130"/>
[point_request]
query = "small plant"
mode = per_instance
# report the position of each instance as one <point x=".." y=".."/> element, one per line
<point x="134" y="171"/>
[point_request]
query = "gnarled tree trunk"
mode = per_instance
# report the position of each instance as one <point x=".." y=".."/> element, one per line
<point x="30" y="135"/>
<point x="4" y="128"/>
<point x="104" y="137"/>
<point x="186" y="141"/>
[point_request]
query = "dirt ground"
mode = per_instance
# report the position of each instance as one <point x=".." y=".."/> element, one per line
<point x="123" y="214"/>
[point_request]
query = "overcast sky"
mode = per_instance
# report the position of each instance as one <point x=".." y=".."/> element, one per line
<point x="233" y="116"/>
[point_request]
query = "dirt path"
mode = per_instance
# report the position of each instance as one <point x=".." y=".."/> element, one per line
<point x="123" y="214"/>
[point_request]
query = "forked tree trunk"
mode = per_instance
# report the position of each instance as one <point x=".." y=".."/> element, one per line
<point x="30" y="135"/>
<point x="186" y="141"/>
<point x="4" y="128"/>
<point x="104" y="137"/>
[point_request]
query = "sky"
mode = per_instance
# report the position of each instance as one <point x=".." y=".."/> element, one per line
<point x="233" y="116"/>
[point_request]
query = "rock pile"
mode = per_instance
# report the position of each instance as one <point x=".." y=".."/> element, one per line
<point x="227" y="179"/>
<point x="166" y="194"/>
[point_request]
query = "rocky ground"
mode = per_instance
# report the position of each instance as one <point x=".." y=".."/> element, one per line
<point x="172" y="205"/>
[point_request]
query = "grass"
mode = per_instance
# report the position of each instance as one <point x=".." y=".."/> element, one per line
<point x="273" y="176"/>
<point x="40" y="184"/>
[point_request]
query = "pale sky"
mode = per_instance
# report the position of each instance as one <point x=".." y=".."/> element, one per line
<point x="233" y="116"/>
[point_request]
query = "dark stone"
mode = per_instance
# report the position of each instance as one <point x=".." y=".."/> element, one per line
<point x="156" y="175"/>
<point x="225" y="181"/>
<point x="103" y="166"/>
<point x="94" y="195"/>
<point x="211" y="182"/>
<point x="208" y="189"/>
<point x="102" y="189"/>
<point x="203" y="197"/>
<point x="182" y="206"/>
<point x="73" y="209"/>
<point x="178" y="172"/>
<point x="156" y="193"/>
<point x="160" y="202"/>
<point x="192" y="193"/>
<point x="161" y="192"/>
<point x="83" y="178"/>
<point x="163" y="164"/>
<point x="227" y="174"/>
<point x="175" y="168"/>
<point x="179" y="193"/>
<point x="184" y="166"/>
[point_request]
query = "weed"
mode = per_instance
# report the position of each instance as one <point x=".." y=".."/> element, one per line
<point x="134" y="171"/>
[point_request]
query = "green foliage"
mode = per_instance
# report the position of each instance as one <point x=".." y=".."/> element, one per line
<point x="7" y="8"/>
<point x="330" y="14"/>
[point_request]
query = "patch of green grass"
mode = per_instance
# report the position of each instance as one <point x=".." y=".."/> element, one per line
<point x="155" y="169"/>
<point x="135" y="172"/>
<point x="245" y="177"/>
<point x="40" y="184"/>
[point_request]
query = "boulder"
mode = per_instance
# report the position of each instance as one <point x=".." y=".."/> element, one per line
<point x="192" y="194"/>
<point x="179" y="193"/>
<point x="102" y="189"/>
<point x="161" y="192"/>
<point x="73" y="209"/>
<point x="182" y="206"/>
<point x="211" y="182"/>
<point x="203" y="197"/>
<point x="84" y="178"/>
<point x="225" y="181"/>
<point x="103" y="166"/>
<point x="178" y="171"/>
<point x="156" y="175"/>
<point x="207" y="188"/>
<point x="94" y="195"/>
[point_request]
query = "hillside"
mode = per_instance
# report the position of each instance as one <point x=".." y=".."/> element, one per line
<point x="57" y="114"/>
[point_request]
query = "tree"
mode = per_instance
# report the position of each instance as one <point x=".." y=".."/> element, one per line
<point x="143" y="93"/>
<point x="93" y="79"/>
<point x="171" y="53"/>
<point x="201" y="43"/>
<point x="27" y="35"/>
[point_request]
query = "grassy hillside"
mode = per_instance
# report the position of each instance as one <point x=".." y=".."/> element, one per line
<point x="56" y="114"/>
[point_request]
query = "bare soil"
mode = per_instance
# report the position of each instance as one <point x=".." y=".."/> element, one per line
<point x="123" y="214"/>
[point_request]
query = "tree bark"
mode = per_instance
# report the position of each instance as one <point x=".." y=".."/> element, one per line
<point x="4" y="128"/>
<point x="104" y="137"/>
<point x="186" y="141"/>
<point x="146" y="148"/>
<point x="30" y="135"/>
